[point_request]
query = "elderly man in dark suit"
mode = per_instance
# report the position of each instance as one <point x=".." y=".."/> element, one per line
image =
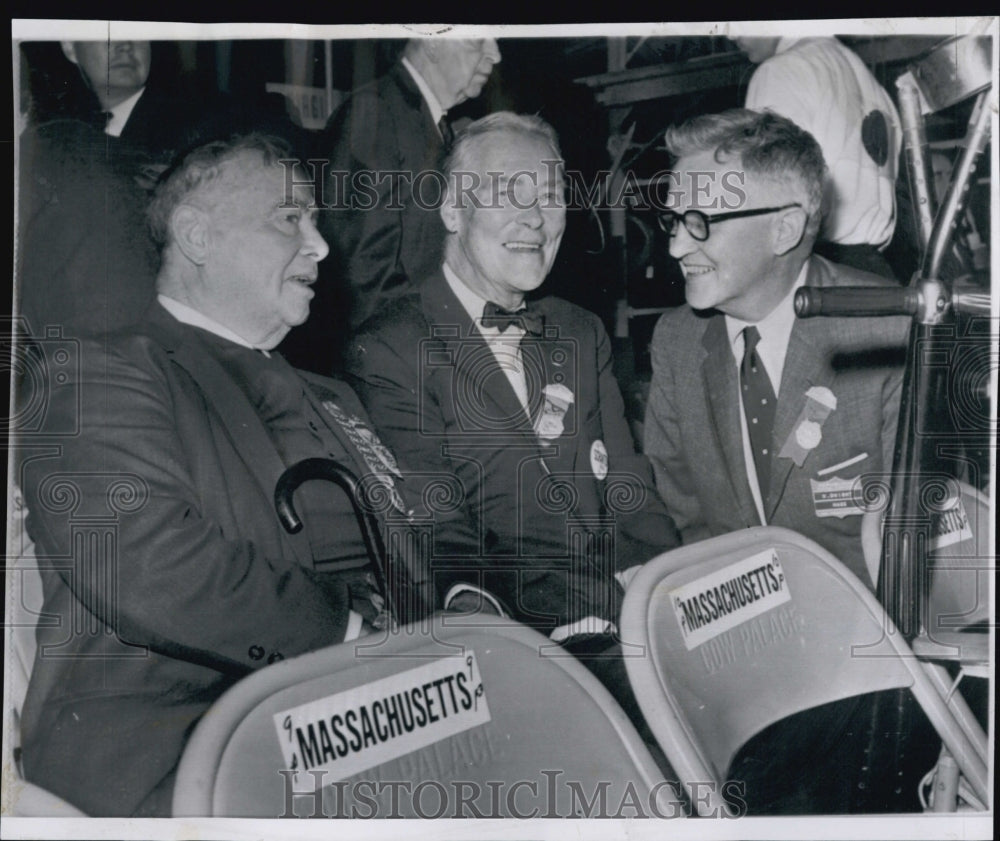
<point x="755" y="417"/>
<point x="516" y="398"/>
<point x="181" y="427"/>
<point x="383" y="226"/>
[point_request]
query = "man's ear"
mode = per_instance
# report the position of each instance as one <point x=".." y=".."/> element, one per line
<point x="69" y="50"/>
<point x="449" y="213"/>
<point x="788" y="230"/>
<point x="190" y="231"/>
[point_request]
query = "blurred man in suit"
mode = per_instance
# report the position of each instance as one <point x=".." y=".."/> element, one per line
<point x="152" y="117"/>
<point x="183" y="425"/>
<point x="383" y="237"/>
<point x="116" y="72"/>
<point x="517" y="398"/>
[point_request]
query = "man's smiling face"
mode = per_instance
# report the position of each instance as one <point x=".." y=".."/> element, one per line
<point x="730" y="271"/>
<point x="508" y="230"/>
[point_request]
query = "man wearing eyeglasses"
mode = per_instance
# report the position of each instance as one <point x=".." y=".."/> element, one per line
<point x="756" y="417"/>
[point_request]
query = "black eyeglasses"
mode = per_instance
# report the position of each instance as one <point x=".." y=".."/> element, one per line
<point x="697" y="223"/>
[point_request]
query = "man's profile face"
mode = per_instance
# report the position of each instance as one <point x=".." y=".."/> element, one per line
<point x="507" y="233"/>
<point x="465" y="66"/>
<point x="264" y="250"/>
<point x="115" y="69"/>
<point x="731" y="270"/>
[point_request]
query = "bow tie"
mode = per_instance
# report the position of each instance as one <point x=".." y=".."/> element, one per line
<point x="496" y="316"/>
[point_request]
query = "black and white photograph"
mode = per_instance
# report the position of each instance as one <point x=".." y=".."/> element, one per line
<point x="581" y="431"/>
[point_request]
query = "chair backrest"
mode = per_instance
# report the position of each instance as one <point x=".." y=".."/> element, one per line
<point x="24" y="600"/>
<point x="961" y="563"/>
<point x="748" y="628"/>
<point x="462" y="716"/>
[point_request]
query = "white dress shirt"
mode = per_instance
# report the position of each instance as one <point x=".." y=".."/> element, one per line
<point x="775" y="330"/>
<point x="506" y="346"/>
<point x="120" y="114"/>
<point x="433" y="103"/>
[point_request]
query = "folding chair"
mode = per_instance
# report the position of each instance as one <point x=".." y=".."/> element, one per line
<point x="958" y="610"/>
<point x="748" y="628"/>
<point x="958" y="602"/>
<point x="542" y="737"/>
<point x="24" y="601"/>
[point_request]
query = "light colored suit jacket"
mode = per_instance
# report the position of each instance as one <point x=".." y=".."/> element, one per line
<point x="692" y="428"/>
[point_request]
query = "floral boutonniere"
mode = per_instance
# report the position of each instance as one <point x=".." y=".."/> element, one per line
<point x="556" y="400"/>
<point x="808" y="429"/>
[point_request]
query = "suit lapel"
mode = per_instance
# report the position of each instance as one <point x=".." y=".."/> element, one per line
<point x="319" y="390"/>
<point x="721" y="389"/>
<point x="244" y="428"/>
<point x="546" y="365"/>
<point x="474" y="365"/>
<point x="807" y="364"/>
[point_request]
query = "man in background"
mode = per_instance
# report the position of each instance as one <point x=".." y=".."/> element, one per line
<point x="824" y="88"/>
<point x="383" y="238"/>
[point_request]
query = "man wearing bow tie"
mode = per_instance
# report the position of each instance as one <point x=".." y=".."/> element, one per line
<point x="515" y="397"/>
<point x="181" y="428"/>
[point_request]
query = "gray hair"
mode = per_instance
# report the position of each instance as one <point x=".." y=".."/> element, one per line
<point x="462" y="152"/>
<point x="202" y="167"/>
<point x="766" y="144"/>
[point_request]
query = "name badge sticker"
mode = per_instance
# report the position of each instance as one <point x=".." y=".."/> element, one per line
<point x="726" y="598"/>
<point x="950" y="526"/>
<point x="363" y="727"/>
<point x="837" y="497"/>
<point x="599" y="459"/>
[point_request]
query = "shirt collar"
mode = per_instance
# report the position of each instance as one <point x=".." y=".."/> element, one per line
<point x="472" y="302"/>
<point x="780" y="319"/>
<point x="120" y="114"/>
<point x="433" y="103"/>
<point x="775" y="328"/>
<point x="188" y="315"/>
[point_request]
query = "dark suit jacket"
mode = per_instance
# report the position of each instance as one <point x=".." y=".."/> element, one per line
<point x="692" y="427"/>
<point x="165" y="567"/>
<point x="437" y="395"/>
<point x="381" y="242"/>
<point x="86" y="262"/>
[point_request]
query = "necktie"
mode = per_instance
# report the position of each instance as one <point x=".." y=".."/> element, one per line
<point x="98" y="119"/>
<point x="528" y="320"/>
<point x="447" y="133"/>
<point x="758" y="405"/>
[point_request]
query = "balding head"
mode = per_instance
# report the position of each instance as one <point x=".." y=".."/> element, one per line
<point x="454" y="69"/>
